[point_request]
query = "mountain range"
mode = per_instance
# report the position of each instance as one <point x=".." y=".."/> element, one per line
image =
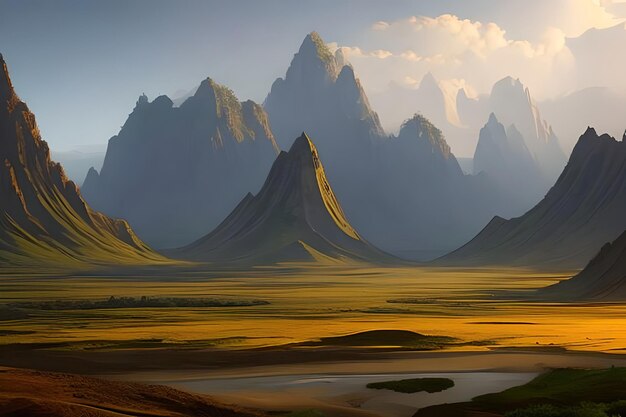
<point x="44" y="220"/>
<point x="503" y="155"/>
<point x="461" y="119"/>
<point x="583" y="210"/>
<point x="404" y="193"/>
<point x="294" y="217"/>
<point x="175" y="172"/>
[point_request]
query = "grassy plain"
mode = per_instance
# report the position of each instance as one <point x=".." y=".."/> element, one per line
<point x="306" y="304"/>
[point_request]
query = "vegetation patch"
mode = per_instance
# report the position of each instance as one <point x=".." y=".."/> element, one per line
<point x="558" y="393"/>
<point x="132" y="302"/>
<point x="410" y="386"/>
<point x="617" y="408"/>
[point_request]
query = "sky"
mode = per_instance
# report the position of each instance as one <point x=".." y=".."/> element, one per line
<point x="81" y="65"/>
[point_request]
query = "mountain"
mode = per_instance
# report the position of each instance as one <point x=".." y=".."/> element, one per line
<point x="175" y="172"/>
<point x="603" y="279"/>
<point x="584" y="209"/>
<point x="512" y="104"/>
<point x="595" y="106"/>
<point x="44" y="219"/>
<point x="406" y="194"/>
<point x="320" y="86"/>
<point x="77" y="162"/>
<point x="425" y="200"/>
<point x="295" y="217"/>
<point x="321" y="96"/>
<point x="503" y="155"/>
<point x="434" y="99"/>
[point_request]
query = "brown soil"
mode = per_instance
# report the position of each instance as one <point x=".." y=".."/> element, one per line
<point x="27" y="393"/>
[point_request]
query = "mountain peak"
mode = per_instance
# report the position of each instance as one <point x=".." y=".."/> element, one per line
<point x="493" y="119"/>
<point x="429" y="80"/>
<point x="313" y="43"/>
<point x="207" y="86"/>
<point x="295" y="208"/>
<point x="509" y="84"/>
<point x="423" y="129"/>
<point x="6" y="86"/>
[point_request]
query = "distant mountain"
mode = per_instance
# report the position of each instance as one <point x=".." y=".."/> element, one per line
<point x="77" y="163"/>
<point x="318" y="87"/>
<point x="424" y="199"/>
<point x="44" y="221"/>
<point x="596" y="106"/>
<point x="512" y="104"/>
<point x="434" y="99"/>
<point x="503" y="155"/>
<point x="321" y="96"/>
<point x="584" y="209"/>
<point x="603" y="279"/>
<point x="175" y="172"/>
<point x="405" y="194"/>
<point x="295" y="217"/>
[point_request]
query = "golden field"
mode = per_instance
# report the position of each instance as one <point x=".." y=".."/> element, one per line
<point x="309" y="302"/>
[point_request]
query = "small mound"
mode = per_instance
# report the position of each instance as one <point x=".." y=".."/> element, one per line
<point x="387" y="338"/>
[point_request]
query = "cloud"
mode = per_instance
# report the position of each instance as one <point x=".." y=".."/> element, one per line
<point x="578" y="16"/>
<point x="380" y="25"/>
<point x="455" y="48"/>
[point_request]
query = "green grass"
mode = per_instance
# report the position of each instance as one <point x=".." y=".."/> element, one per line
<point x="558" y="393"/>
<point x="410" y="386"/>
<point x="614" y="409"/>
<point x="562" y="386"/>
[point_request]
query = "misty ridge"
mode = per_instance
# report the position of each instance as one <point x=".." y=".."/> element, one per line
<point x="175" y="172"/>
<point x="206" y="180"/>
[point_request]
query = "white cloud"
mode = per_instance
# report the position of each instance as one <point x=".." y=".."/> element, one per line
<point x="410" y="56"/>
<point x="454" y="48"/>
<point x="380" y="25"/>
<point x="577" y="16"/>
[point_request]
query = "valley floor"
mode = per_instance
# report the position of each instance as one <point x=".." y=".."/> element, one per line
<point x="259" y="334"/>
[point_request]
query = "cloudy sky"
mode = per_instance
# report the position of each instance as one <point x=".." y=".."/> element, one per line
<point x="81" y="65"/>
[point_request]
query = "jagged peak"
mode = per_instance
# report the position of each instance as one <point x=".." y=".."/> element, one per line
<point x="590" y="132"/>
<point x="425" y="130"/>
<point x="590" y="139"/>
<point x="302" y="145"/>
<point x="510" y="83"/>
<point x="143" y="99"/>
<point x="493" y="119"/>
<point x="341" y="58"/>
<point x="206" y="87"/>
<point x="313" y="42"/>
<point x="6" y="86"/>
<point x="429" y="80"/>
<point x="303" y="149"/>
<point x="512" y="130"/>
<point x="163" y="100"/>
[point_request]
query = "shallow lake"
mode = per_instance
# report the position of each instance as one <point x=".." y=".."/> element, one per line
<point x="316" y="391"/>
